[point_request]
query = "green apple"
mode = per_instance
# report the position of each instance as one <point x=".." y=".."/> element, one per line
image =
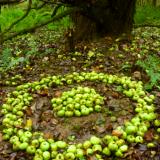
<point x="35" y="142"/>
<point x="123" y="148"/>
<point x="61" y="144"/>
<point x="44" y="146"/>
<point x="23" y="145"/>
<point x="107" y="139"/>
<point x="139" y="139"/>
<point x="72" y="149"/>
<point x="61" y="113"/>
<point x="97" y="147"/>
<point x="158" y="130"/>
<point x="16" y="145"/>
<point x="24" y="139"/>
<point x="143" y="128"/>
<point x="8" y="131"/>
<point x="68" y="113"/>
<point x="54" y="154"/>
<point x="28" y="134"/>
<point x="151" y="116"/>
<point x="130" y="138"/>
<point x="95" y="140"/>
<point x="140" y="133"/>
<point x="106" y="151"/>
<point x="139" y="110"/>
<point x="120" y="142"/>
<point x="31" y="149"/>
<point x="6" y="137"/>
<point x="157" y="123"/>
<point x="39" y="152"/>
<point x="54" y="146"/>
<point x="14" y="139"/>
<point x="131" y="129"/>
<point x="87" y="144"/>
<point x="119" y="153"/>
<point x="77" y="113"/>
<point x="113" y="146"/>
<point x="46" y="155"/>
<point x="79" y="153"/>
<point x="89" y="151"/>
<point x="85" y="111"/>
<point x="60" y="156"/>
<point x="151" y="145"/>
<point x="97" y="108"/>
<point x="70" y="156"/>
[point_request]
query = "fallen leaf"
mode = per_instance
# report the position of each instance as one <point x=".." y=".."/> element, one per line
<point x="1" y="137"/>
<point x="29" y="124"/>
<point x="116" y="133"/>
<point x="58" y="93"/>
<point x="149" y="135"/>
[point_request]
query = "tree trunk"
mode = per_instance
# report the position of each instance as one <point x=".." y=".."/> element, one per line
<point x="154" y="2"/>
<point x="103" y="17"/>
<point x="0" y="30"/>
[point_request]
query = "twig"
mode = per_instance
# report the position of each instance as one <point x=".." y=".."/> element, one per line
<point x="146" y="25"/>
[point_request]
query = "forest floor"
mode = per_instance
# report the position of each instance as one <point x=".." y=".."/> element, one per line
<point x="42" y="56"/>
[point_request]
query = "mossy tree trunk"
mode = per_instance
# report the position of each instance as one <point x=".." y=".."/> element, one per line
<point x="102" y="17"/>
<point x="0" y="30"/>
<point x="154" y="2"/>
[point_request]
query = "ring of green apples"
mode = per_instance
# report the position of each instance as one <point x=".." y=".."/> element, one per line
<point x="20" y="135"/>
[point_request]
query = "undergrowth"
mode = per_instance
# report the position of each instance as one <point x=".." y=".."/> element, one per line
<point x="10" y="14"/>
<point x="8" y="61"/>
<point x="147" y="15"/>
<point x="151" y="65"/>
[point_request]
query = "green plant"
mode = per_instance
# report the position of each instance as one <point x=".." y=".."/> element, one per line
<point x="8" y="61"/>
<point x="5" y="57"/>
<point x="151" y="65"/>
<point x="147" y="14"/>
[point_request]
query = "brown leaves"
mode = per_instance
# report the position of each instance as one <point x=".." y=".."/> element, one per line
<point x="58" y="93"/>
<point x="1" y="137"/>
<point x="149" y="135"/>
<point x="44" y="92"/>
<point x="116" y="133"/>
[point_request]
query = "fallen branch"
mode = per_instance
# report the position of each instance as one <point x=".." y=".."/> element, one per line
<point x="146" y="25"/>
<point x="5" y="2"/>
<point x="33" y="28"/>
<point x="55" y="10"/>
<point x="20" y="19"/>
<point x="39" y="7"/>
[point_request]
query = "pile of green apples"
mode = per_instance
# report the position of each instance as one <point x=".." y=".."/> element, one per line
<point x="79" y="101"/>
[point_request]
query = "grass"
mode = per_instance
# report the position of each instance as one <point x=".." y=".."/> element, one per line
<point x="12" y="13"/>
<point x="147" y="15"/>
<point x="151" y="65"/>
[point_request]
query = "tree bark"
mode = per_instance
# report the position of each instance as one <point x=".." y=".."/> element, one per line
<point x="0" y="30"/>
<point x="103" y="17"/>
<point x="4" y="2"/>
<point x="154" y="2"/>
